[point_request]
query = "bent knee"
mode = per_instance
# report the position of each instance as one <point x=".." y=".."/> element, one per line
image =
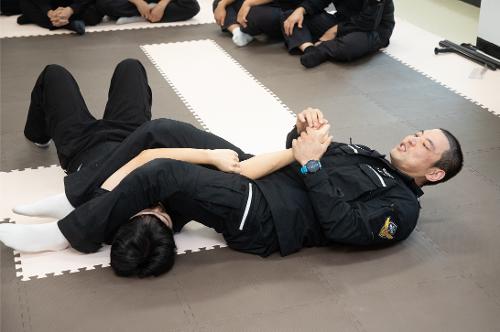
<point x="54" y="71"/>
<point x="168" y="127"/>
<point x="129" y="63"/>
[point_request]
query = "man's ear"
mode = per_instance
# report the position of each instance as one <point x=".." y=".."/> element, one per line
<point x="434" y="174"/>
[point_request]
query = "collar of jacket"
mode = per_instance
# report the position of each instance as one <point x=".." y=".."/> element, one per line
<point x="366" y="151"/>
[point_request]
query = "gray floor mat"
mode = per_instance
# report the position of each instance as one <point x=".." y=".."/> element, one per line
<point x="444" y="278"/>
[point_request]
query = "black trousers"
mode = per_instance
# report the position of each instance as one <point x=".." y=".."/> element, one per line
<point x="263" y="19"/>
<point x="36" y="11"/>
<point x="58" y="111"/>
<point x="176" y="10"/>
<point x="93" y="149"/>
<point x="343" y="48"/>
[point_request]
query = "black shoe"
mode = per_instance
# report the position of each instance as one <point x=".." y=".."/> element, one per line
<point x="77" y="26"/>
<point x="22" y="20"/>
<point x="41" y="145"/>
<point x="313" y="56"/>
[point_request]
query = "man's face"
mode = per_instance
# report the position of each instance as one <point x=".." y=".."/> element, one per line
<point x="416" y="154"/>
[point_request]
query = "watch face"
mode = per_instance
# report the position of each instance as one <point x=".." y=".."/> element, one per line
<point x="313" y="166"/>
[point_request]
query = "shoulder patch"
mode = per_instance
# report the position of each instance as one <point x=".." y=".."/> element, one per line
<point x="388" y="230"/>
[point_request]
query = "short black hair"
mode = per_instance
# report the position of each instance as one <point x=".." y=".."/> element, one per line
<point x="451" y="161"/>
<point x="143" y="247"/>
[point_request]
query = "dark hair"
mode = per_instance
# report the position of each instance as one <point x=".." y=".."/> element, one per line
<point x="143" y="247"/>
<point x="451" y="161"/>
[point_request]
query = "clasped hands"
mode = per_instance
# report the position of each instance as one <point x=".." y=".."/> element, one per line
<point x="314" y="136"/>
<point x="153" y="14"/>
<point x="60" y="16"/>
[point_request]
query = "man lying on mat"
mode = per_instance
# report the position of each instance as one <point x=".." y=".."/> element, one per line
<point x="331" y="193"/>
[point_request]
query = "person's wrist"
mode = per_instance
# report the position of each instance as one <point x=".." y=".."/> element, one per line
<point x="209" y="156"/>
<point x="222" y="4"/>
<point x="301" y="10"/>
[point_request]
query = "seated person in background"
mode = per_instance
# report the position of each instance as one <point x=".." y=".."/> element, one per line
<point x="247" y="18"/>
<point x="127" y="11"/>
<point x="358" y="28"/>
<point x="60" y="14"/>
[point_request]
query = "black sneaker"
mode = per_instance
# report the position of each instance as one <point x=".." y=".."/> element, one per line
<point x="42" y="145"/>
<point x="22" y="20"/>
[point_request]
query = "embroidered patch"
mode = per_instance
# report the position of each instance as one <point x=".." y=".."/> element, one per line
<point x="388" y="230"/>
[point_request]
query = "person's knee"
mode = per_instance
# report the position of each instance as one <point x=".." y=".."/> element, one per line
<point x="194" y="8"/>
<point x="161" y="126"/>
<point x="130" y="64"/>
<point x="54" y="71"/>
<point x="189" y="9"/>
<point x="168" y="127"/>
<point x="143" y="247"/>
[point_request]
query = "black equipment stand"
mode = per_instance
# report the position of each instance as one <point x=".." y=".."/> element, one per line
<point x="468" y="51"/>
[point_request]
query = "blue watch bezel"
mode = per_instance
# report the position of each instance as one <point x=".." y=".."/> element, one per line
<point x="312" y="166"/>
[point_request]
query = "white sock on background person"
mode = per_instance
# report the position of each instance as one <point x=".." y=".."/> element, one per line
<point x="128" y="20"/>
<point x="33" y="238"/>
<point x="56" y="206"/>
<point x="240" y="38"/>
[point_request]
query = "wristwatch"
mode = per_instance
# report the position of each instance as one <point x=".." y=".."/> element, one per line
<point x="312" y="166"/>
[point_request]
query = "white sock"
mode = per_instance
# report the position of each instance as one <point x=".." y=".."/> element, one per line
<point x="128" y="20"/>
<point x="33" y="238"/>
<point x="240" y="38"/>
<point x="56" y="206"/>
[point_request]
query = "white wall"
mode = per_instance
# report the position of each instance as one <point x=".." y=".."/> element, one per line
<point x="489" y="21"/>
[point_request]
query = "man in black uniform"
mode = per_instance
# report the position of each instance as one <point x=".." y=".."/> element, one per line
<point x="343" y="193"/>
<point x="358" y="27"/>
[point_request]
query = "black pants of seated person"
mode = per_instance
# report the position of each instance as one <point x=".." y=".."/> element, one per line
<point x="35" y="11"/>
<point x="176" y="10"/>
<point x="343" y="48"/>
<point x="263" y="19"/>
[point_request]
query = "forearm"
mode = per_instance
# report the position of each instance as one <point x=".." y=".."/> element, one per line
<point x="194" y="156"/>
<point x="253" y="3"/>
<point x="264" y="164"/>
<point x="225" y="3"/>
